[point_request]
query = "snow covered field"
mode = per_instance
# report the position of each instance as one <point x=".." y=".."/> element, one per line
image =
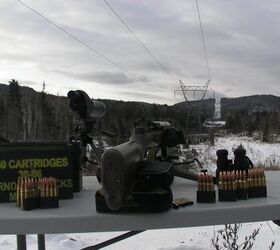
<point x="262" y="154"/>
<point x="198" y="238"/>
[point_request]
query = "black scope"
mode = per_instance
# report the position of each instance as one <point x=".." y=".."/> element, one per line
<point x="86" y="108"/>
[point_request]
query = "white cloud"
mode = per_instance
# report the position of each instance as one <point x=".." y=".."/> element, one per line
<point x="242" y="40"/>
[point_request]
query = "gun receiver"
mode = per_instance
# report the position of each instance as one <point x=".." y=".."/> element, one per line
<point x="121" y="163"/>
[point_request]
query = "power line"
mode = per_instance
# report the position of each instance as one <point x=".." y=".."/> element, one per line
<point x="193" y="89"/>
<point x="86" y="45"/>
<point x="77" y="39"/>
<point x="140" y="42"/>
<point x="203" y="39"/>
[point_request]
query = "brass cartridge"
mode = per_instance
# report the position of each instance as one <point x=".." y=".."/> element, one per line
<point x="260" y="184"/>
<point x="221" y="184"/>
<point x="47" y="187"/>
<point x="233" y="179"/>
<point x="199" y="184"/>
<point x="55" y="188"/>
<point x="263" y="179"/>
<point x="18" y="192"/>
<point x="51" y="187"/>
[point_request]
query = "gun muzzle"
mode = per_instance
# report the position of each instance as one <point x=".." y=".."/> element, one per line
<point x="86" y="108"/>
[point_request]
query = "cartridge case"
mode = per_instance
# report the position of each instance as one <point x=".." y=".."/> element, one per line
<point x="258" y="188"/>
<point x="228" y="192"/>
<point x="206" y="192"/>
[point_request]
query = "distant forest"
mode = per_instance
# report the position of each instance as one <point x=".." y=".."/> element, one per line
<point x="27" y="115"/>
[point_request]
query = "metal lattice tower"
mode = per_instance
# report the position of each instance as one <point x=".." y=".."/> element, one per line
<point x="193" y="118"/>
<point x="186" y="90"/>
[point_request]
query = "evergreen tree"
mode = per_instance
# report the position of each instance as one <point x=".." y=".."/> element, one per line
<point x="2" y="119"/>
<point x="14" y="112"/>
<point x="48" y="119"/>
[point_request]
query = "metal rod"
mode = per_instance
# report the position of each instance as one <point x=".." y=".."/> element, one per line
<point x="184" y="174"/>
<point x="41" y="242"/>
<point x="113" y="240"/>
<point x="21" y="242"/>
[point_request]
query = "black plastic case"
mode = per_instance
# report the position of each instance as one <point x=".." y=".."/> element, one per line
<point x="242" y="194"/>
<point x="206" y="197"/>
<point x="257" y="192"/>
<point x="49" y="202"/>
<point x="30" y="204"/>
<point x="227" y="195"/>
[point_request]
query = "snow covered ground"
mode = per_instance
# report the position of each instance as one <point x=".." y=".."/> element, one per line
<point x="262" y="154"/>
<point x="197" y="238"/>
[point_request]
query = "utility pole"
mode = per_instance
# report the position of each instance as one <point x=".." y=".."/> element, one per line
<point x="44" y="86"/>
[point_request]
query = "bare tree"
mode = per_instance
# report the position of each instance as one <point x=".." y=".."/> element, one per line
<point x="227" y="238"/>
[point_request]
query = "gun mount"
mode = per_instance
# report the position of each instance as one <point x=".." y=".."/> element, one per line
<point x="123" y="165"/>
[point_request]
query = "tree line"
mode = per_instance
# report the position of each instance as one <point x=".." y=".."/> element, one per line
<point x="266" y="122"/>
<point x="27" y="115"/>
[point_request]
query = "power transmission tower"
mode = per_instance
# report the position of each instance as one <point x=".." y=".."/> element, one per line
<point x="193" y="119"/>
<point x="187" y="90"/>
<point x="193" y="123"/>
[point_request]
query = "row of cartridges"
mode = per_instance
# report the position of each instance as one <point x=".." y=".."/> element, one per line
<point x="37" y="193"/>
<point x="242" y="185"/>
<point x="205" y="182"/>
<point x="241" y="179"/>
<point x="205" y="188"/>
<point x="232" y="185"/>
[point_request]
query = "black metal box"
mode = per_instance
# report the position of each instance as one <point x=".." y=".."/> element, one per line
<point x="39" y="159"/>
